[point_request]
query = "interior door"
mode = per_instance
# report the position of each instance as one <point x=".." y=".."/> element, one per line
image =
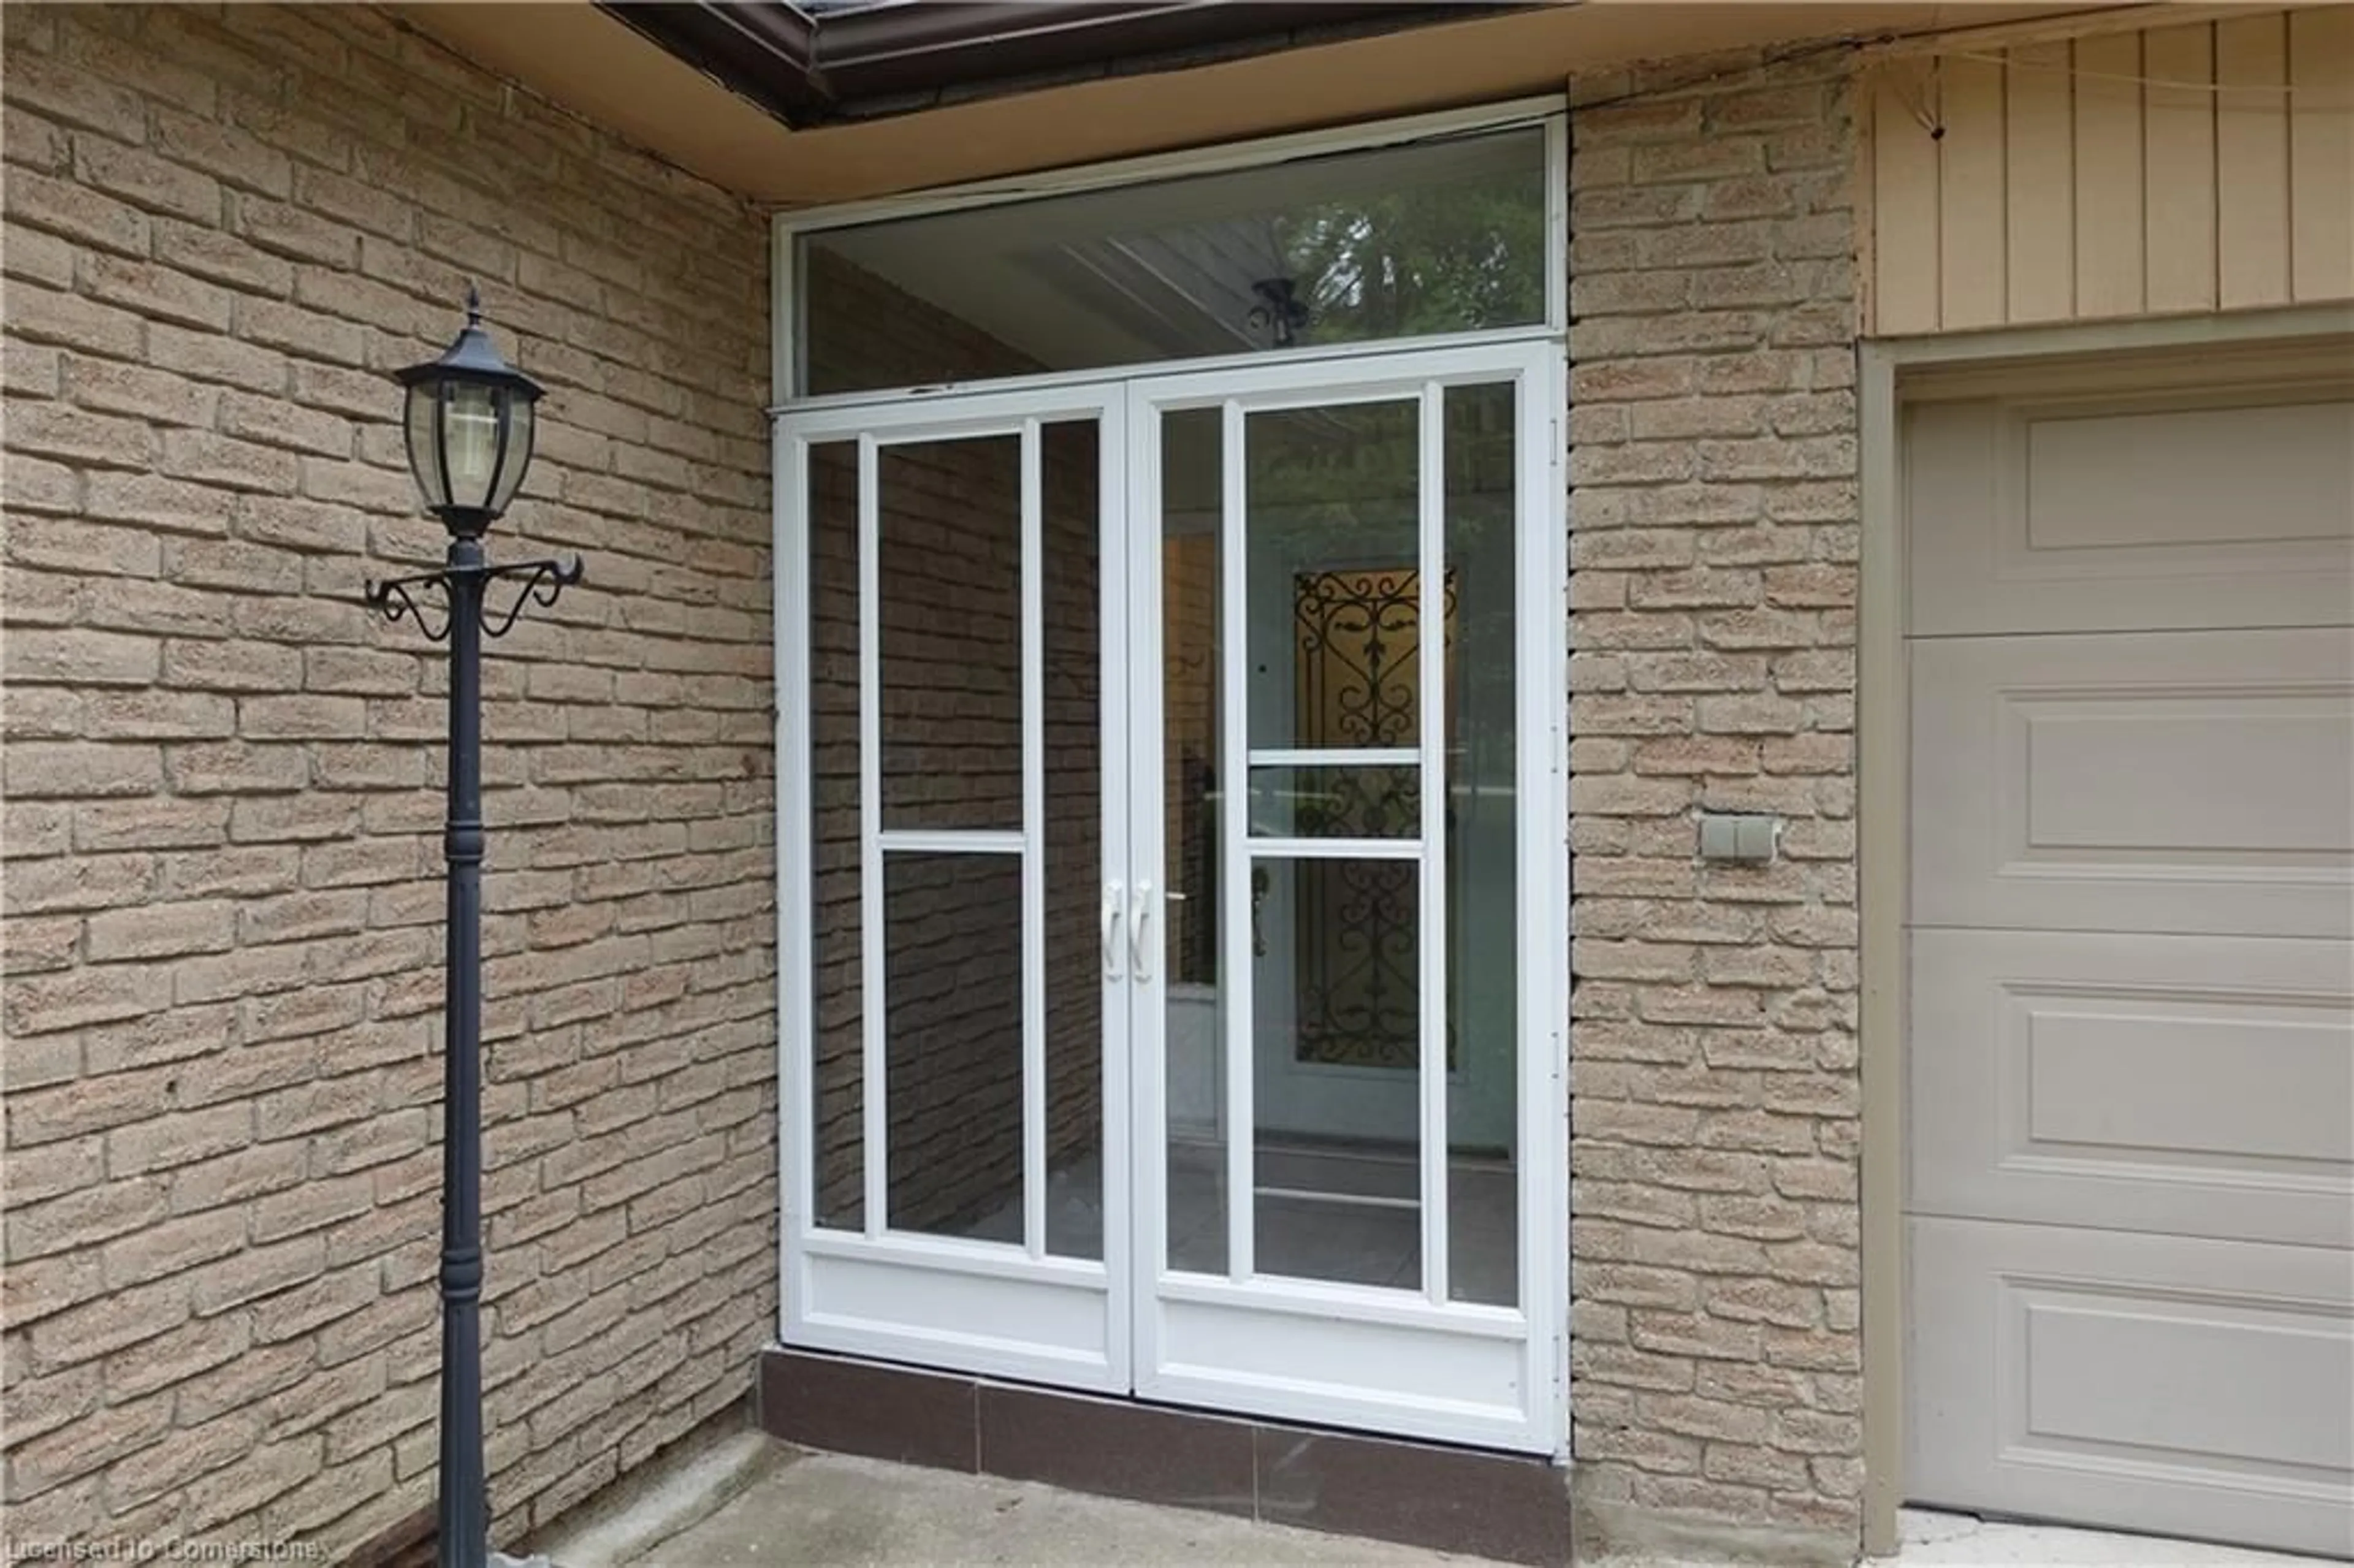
<point x="1336" y="617"/>
<point x="955" y="804"/>
<point x="1341" y="1024"/>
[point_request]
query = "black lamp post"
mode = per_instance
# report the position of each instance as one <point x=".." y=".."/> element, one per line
<point x="468" y="423"/>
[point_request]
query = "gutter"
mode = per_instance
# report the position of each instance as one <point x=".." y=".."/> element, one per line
<point x="765" y="51"/>
<point x="810" y="69"/>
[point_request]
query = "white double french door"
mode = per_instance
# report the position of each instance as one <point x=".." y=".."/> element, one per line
<point x="1173" y="861"/>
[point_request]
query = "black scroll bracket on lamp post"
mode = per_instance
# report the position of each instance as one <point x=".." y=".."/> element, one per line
<point x="468" y="418"/>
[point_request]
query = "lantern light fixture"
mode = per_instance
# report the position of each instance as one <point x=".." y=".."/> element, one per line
<point x="468" y="422"/>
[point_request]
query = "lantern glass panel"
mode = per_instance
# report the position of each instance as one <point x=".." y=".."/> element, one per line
<point x="469" y="435"/>
<point x="420" y="430"/>
<point x="519" y="410"/>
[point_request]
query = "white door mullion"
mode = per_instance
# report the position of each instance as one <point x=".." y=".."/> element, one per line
<point x="950" y="840"/>
<point x="1122" y="1019"/>
<point x="1334" y="756"/>
<point x="1033" y="846"/>
<point x="1432" y="709"/>
<point x="1334" y="849"/>
<point x="1233" y="788"/>
<point x="871" y="1061"/>
<point x="1540" y="761"/>
<point x="796" y="1001"/>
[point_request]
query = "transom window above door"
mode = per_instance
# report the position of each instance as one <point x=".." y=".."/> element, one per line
<point x="1428" y="238"/>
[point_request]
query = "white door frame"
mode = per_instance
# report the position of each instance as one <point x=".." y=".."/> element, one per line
<point x="990" y="1308"/>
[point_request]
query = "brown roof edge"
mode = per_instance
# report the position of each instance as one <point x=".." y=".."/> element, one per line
<point x="809" y="69"/>
<point x="765" y="51"/>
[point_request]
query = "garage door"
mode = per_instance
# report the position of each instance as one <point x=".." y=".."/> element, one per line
<point x="2130" y="1206"/>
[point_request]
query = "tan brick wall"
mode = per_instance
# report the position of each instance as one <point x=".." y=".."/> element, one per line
<point x="222" y="804"/>
<point x="222" y="785"/>
<point x="1714" y="1119"/>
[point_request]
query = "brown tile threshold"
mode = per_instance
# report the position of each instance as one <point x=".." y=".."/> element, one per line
<point x="1514" y="1507"/>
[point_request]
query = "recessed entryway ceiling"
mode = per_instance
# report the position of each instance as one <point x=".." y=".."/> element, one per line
<point x="586" y="60"/>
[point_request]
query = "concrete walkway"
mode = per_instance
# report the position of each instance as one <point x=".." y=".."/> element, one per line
<point x="749" y="1502"/>
<point x="1963" y="1540"/>
<point x="840" y="1513"/>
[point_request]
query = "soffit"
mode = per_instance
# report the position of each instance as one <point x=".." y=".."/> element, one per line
<point x="582" y="58"/>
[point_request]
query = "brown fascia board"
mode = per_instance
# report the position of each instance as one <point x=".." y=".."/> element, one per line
<point x="765" y="51"/>
<point x="811" y="69"/>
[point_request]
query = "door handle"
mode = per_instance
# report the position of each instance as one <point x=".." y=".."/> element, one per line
<point x="1258" y="896"/>
<point x="1139" y="927"/>
<point x="1113" y="909"/>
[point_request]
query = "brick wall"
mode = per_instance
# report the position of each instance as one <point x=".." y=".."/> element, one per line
<point x="949" y="697"/>
<point x="1716" y="1355"/>
<point x="222" y="780"/>
<point x="222" y="785"/>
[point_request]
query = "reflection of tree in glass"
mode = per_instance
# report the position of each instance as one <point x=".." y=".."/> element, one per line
<point x="1352" y="471"/>
<point x="1451" y="258"/>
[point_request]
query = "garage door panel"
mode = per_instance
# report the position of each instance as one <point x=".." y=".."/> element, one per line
<point x="2131" y="513"/>
<point x="2230" y="1368"/>
<point x="2135" y="774"/>
<point x="2129" y="1076"/>
<point x="2152" y="781"/>
<point x="2193" y="1085"/>
<point x="2159" y="1384"/>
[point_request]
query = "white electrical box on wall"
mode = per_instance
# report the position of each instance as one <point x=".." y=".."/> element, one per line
<point x="1739" y="840"/>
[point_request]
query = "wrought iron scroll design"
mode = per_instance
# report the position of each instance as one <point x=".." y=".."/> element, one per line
<point x="394" y="601"/>
<point x="1359" y="639"/>
<point x="1359" y="633"/>
<point x="544" y="583"/>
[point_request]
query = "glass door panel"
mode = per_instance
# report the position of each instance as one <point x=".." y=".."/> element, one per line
<point x="949" y="563"/>
<point x="830" y="785"/>
<point x="1190" y="687"/>
<point x="1337" y="574"/>
<point x="1337" y="980"/>
<point x="961" y="1077"/>
<point x="952" y="1044"/>
<point x="1331" y="611"/>
<point x="1072" y="805"/>
<point x="1482" y="457"/>
<point x="946" y="698"/>
<point x="1156" y="854"/>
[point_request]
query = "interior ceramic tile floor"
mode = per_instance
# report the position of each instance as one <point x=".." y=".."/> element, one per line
<point x="1346" y="1214"/>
